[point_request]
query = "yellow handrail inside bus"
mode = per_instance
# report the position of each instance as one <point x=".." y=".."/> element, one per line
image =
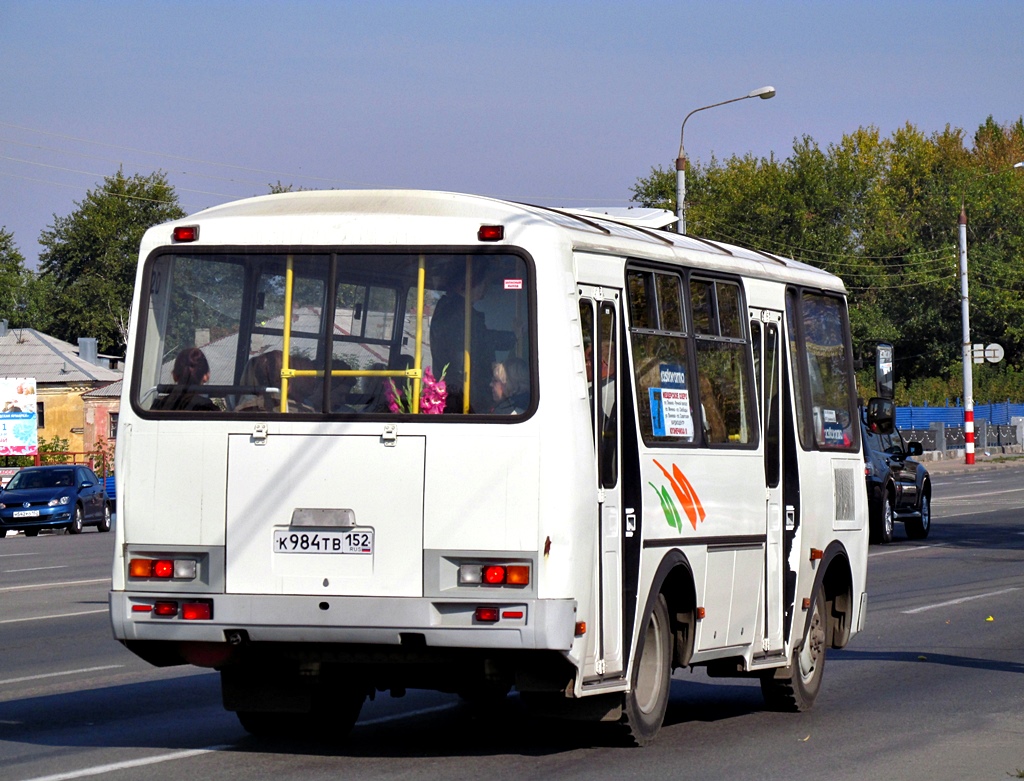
<point x="467" y="335"/>
<point x="289" y="277"/>
<point x="415" y="373"/>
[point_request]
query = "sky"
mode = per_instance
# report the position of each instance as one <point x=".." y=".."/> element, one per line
<point x="555" y="103"/>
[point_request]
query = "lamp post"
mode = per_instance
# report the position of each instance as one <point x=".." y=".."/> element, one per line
<point x="965" y="350"/>
<point x="763" y="92"/>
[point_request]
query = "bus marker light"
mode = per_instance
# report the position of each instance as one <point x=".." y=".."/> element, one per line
<point x="186" y="233"/>
<point x="512" y="614"/>
<point x="470" y="573"/>
<point x="486" y="615"/>
<point x="165" y="609"/>
<point x="807" y="603"/>
<point x="142" y="608"/>
<point x="491" y="233"/>
<point x="701" y="612"/>
<point x="518" y="575"/>
<point x="817" y="555"/>
<point x="494" y="574"/>
<point x="140" y="568"/>
<point x="197" y="611"/>
<point x="581" y="628"/>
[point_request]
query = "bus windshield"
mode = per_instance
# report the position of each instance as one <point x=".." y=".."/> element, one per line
<point x="317" y="334"/>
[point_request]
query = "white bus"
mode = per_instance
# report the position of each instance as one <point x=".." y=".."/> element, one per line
<point x="385" y="439"/>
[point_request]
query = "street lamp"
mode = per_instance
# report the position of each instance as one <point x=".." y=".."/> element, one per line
<point x="965" y="350"/>
<point x="763" y="92"/>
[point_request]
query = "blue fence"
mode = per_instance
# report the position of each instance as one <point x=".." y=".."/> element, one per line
<point x="922" y="417"/>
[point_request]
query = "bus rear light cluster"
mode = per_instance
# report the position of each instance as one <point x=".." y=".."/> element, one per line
<point x="201" y="610"/>
<point x="494" y="575"/>
<point x="164" y="569"/>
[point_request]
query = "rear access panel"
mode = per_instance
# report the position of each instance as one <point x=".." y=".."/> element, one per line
<point x="330" y="515"/>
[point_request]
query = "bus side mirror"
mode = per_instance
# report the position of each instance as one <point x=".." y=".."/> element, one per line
<point x="881" y="414"/>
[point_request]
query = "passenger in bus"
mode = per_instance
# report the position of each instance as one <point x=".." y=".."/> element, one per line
<point x="510" y="387"/>
<point x="341" y="387"/>
<point x="190" y="371"/>
<point x="262" y="374"/>
<point x="448" y="335"/>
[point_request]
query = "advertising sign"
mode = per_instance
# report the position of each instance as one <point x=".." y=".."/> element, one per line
<point x="18" y="432"/>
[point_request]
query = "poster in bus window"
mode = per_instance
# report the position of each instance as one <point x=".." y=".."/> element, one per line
<point x="18" y="433"/>
<point x="670" y="404"/>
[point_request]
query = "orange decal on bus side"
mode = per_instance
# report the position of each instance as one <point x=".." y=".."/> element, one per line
<point x="685" y="494"/>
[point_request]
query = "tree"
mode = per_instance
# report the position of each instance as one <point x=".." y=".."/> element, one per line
<point x="881" y="213"/>
<point x="90" y="255"/>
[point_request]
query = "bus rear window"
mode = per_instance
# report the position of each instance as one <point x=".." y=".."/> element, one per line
<point x="259" y="334"/>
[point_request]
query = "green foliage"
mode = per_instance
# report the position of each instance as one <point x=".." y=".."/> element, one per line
<point x="90" y="255"/>
<point x="882" y="214"/>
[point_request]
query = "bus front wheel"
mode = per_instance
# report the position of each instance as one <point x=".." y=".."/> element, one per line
<point x="647" y="699"/>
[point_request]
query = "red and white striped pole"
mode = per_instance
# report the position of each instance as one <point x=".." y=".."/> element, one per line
<point x="968" y="358"/>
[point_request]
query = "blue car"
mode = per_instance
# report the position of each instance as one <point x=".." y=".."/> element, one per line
<point x="64" y="496"/>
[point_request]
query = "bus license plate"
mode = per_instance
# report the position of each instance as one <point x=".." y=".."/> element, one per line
<point x="354" y="541"/>
<point x="26" y="513"/>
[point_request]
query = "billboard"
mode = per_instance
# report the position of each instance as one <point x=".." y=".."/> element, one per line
<point x="18" y="431"/>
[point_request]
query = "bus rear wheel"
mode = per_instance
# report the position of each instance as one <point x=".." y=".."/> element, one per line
<point x="326" y="722"/>
<point x="647" y="699"/>
<point x="795" y="688"/>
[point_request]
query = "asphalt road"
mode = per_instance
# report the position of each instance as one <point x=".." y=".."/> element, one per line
<point x="933" y="689"/>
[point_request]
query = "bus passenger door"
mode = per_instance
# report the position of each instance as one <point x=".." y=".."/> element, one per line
<point x="599" y="312"/>
<point x="766" y="334"/>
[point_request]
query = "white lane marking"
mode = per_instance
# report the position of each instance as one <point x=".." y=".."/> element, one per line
<point x="133" y="763"/>
<point x="36" y="569"/>
<point x="58" y="615"/>
<point x="57" y="675"/>
<point x="974" y="496"/>
<point x="410" y="714"/>
<point x="114" y="766"/>
<point x="907" y="550"/>
<point x="959" y="601"/>
<point x="61" y="584"/>
<point x="12" y="555"/>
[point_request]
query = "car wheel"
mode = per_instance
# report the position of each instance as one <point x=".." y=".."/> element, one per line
<point x="795" y="688"/>
<point x="3" y="533"/>
<point x="31" y="532"/>
<point x="887" y="520"/>
<point x="918" y="528"/>
<point x="647" y="699"/>
<point x="105" y="523"/>
<point x="76" y="521"/>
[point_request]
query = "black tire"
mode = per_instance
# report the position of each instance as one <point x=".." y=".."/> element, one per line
<point x="104" y="525"/>
<point x="3" y="533"/>
<point x="76" y="521"/>
<point x="882" y="523"/>
<point x="918" y="528"/>
<point x="646" y="701"/>
<point x="795" y="688"/>
<point x="327" y="722"/>
<point x="31" y="532"/>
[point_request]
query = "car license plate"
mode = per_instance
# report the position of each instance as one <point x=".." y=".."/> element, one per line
<point x="26" y="513"/>
<point x="353" y="541"/>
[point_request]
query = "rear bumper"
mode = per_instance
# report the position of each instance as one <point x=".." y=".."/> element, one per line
<point x="531" y="624"/>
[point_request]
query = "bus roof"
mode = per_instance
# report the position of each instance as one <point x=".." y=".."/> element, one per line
<point x="424" y="217"/>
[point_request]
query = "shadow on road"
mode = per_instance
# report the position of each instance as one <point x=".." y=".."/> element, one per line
<point x="968" y="662"/>
<point x="186" y="712"/>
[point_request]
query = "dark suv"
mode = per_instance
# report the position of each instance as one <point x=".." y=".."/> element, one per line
<point x="899" y="488"/>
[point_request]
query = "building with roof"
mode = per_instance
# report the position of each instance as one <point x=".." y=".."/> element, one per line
<point x="65" y="376"/>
